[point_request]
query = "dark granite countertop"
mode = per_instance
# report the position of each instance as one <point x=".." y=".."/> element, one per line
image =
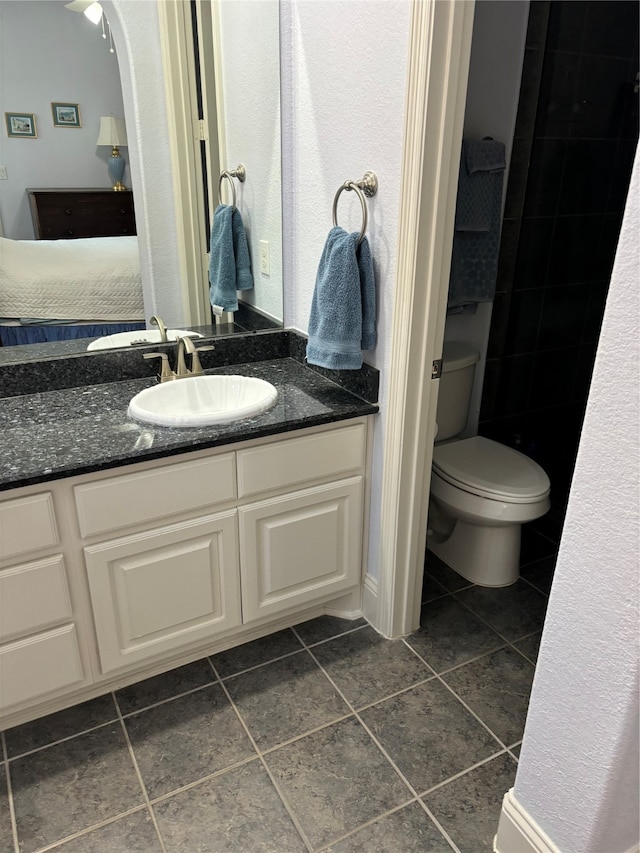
<point x="77" y="430"/>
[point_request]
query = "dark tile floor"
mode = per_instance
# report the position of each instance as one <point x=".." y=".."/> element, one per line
<point x="323" y="737"/>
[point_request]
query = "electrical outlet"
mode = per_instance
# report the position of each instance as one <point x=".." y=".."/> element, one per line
<point x="3" y="173"/>
<point x="264" y="257"/>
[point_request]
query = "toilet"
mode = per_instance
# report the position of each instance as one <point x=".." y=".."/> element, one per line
<point x="481" y="491"/>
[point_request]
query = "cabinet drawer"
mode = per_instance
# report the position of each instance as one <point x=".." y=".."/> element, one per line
<point x="39" y="665"/>
<point x="154" y="494"/>
<point x="26" y="525"/>
<point x="33" y="596"/>
<point x="282" y="464"/>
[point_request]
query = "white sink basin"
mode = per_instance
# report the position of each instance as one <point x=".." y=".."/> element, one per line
<point x="203" y="401"/>
<point x="147" y="336"/>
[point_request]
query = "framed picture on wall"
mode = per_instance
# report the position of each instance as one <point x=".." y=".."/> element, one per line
<point x="21" y="125"/>
<point x="66" y="115"/>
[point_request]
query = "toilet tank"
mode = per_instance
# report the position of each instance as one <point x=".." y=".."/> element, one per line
<point x="458" y="367"/>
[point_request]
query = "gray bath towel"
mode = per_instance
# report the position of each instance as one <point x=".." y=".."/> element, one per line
<point x="476" y="240"/>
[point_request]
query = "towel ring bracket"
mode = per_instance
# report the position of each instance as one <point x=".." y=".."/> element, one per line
<point x="240" y="173"/>
<point x="366" y="186"/>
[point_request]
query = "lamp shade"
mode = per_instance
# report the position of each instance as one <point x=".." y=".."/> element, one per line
<point x="112" y="131"/>
<point x="91" y="8"/>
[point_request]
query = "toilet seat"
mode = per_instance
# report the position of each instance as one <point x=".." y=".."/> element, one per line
<point x="491" y="470"/>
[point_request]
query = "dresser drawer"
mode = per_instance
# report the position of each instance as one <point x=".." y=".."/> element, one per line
<point x="287" y="463"/>
<point x="60" y="214"/>
<point x="27" y="525"/>
<point x="151" y="495"/>
<point x="39" y="665"/>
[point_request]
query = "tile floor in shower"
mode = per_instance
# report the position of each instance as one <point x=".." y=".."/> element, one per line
<point x="323" y="737"/>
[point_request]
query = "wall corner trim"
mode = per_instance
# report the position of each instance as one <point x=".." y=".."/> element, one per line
<point x="518" y="832"/>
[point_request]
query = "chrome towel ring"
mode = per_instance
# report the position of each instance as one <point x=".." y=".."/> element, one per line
<point x="239" y="173"/>
<point x="366" y="186"/>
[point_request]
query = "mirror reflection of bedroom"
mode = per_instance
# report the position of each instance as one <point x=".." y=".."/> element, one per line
<point x="69" y="262"/>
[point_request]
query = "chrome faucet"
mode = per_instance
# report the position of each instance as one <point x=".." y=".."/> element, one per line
<point x="156" y="321"/>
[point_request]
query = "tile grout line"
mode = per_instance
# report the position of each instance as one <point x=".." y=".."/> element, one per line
<point x="55" y="845"/>
<point x="289" y="810"/>
<point x="12" y="810"/>
<point x="495" y="630"/>
<point x="462" y="773"/>
<point x="462" y="702"/>
<point x="145" y="794"/>
<point x="60" y="740"/>
<point x="381" y="749"/>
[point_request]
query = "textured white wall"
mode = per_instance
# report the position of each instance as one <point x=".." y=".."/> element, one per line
<point x="345" y="70"/>
<point x="250" y="31"/>
<point x="47" y="54"/>
<point x="578" y="773"/>
<point x="495" y="69"/>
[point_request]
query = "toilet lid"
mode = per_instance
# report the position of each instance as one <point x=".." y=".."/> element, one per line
<point x="487" y="468"/>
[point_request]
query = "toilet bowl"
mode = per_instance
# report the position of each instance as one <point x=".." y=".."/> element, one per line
<point x="481" y="491"/>
<point x="481" y="494"/>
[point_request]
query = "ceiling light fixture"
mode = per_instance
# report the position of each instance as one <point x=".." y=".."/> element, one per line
<point x="90" y="8"/>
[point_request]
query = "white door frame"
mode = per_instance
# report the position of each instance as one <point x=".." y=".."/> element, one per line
<point x="438" y="71"/>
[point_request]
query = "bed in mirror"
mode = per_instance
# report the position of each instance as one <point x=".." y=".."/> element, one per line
<point x="71" y="159"/>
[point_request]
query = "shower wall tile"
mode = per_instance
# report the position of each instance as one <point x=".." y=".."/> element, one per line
<point x="623" y="165"/>
<point x="595" y="158"/>
<point x="533" y="255"/>
<point x="499" y="324"/>
<point x="611" y="28"/>
<point x="600" y="97"/>
<point x="595" y="310"/>
<point x="508" y="254"/>
<point x="558" y="92"/>
<point x="554" y="377"/>
<point x="546" y="170"/>
<point x="566" y="25"/>
<point x="524" y="320"/>
<point x="515" y="382"/>
<point x="574" y="249"/>
<point x="538" y="24"/>
<point x="563" y="316"/>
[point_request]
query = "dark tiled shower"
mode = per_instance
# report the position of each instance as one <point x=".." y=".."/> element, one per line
<point x="575" y="139"/>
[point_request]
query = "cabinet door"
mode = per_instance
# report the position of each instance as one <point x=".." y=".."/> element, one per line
<point x="157" y="591"/>
<point x="300" y="548"/>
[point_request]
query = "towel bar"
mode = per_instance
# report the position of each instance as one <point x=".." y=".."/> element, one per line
<point x="366" y="186"/>
<point x="239" y="173"/>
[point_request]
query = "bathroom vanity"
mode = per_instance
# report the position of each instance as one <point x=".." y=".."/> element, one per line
<point x="127" y="550"/>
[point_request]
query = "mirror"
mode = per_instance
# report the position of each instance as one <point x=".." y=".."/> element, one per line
<point x="249" y="118"/>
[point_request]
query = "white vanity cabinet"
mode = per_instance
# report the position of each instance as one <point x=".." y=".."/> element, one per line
<point x="176" y="558"/>
<point x="40" y="652"/>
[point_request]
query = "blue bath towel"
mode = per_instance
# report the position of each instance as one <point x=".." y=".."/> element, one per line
<point x="342" y="320"/>
<point x="229" y="260"/>
<point x="476" y="240"/>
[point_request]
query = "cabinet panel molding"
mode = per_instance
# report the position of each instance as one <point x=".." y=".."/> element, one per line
<point x="26" y="525"/>
<point x="300" y="546"/>
<point x="117" y="502"/>
<point x="33" y="667"/>
<point x="33" y="596"/>
<point x="154" y="592"/>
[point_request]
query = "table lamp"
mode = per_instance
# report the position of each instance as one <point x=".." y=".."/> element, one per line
<point x="114" y="133"/>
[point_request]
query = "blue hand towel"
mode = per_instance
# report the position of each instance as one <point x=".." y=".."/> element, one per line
<point x="342" y="319"/>
<point x="229" y="261"/>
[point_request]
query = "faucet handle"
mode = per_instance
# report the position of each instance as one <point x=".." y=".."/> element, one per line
<point x="196" y="367"/>
<point x="166" y="373"/>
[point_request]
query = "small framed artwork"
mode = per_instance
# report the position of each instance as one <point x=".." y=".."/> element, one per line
<point x="66" y="115"/>
<point x="21" y="125"/>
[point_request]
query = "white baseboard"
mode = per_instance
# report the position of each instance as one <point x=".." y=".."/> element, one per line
<point x="370" y="600"/>
<point x="518" y="832"/>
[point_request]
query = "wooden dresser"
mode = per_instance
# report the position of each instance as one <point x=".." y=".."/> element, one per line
<point x="72" y="213"/>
